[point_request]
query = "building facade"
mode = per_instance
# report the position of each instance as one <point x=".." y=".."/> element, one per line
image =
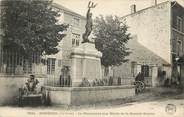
<point x="56" y="63"/>
<point x="157" y="38"/>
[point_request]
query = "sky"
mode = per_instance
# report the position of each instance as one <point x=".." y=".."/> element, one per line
<point x="108" y="7"/>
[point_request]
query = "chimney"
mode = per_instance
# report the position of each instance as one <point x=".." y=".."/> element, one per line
<point x="154" y="2"/>
<point x="133" y="8"/>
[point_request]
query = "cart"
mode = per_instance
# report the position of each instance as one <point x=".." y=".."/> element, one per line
<point x="31" y="98"/>
<point x="139" y="86"/>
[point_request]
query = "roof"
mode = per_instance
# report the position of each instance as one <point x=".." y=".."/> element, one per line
<point x="177" y="4"/>
<point x="67" y="10"/>
<point x="144" y="55"/>
<point x="142" y="10"/>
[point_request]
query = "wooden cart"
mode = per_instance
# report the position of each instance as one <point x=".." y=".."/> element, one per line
<point x="29" y="98"/>
<point x="139" y="86"/>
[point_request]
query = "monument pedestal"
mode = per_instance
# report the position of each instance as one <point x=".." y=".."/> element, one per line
<point x="86" y="63"/>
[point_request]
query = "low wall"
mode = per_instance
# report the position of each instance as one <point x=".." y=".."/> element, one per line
<point x="9" y="85"/>
<point x="87" y="95"/>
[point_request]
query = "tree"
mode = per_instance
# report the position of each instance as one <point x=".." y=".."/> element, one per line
<point x="31" y="26"/>
<point x="111" y="38"/>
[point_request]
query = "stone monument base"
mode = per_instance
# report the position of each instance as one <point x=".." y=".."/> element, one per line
<point x="86" y="63"/>
<point x="87" y="95"/>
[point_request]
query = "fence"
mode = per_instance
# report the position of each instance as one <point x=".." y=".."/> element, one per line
<point x="58" y="81"/>
<point x="123" y="81"/>
<point x="13" y="62"/>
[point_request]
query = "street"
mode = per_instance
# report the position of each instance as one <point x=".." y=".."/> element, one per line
<point x="162" y="107"/>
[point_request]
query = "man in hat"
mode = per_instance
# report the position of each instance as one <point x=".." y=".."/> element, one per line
<point x="31" y="84"/>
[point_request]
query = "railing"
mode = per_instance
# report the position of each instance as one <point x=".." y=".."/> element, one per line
<point x="12" y="62"/>
<point x="130" y="81"/>
<point x="58" y="81"/>
<point x="123" y="81"/>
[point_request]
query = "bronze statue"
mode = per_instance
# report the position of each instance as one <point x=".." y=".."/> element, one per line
<point x="89" y="23"/>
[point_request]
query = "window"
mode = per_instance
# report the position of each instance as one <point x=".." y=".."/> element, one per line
<point x="75" y="39"/>
<point x="145" y="70"/>
<point x="77" y="42"/>
<point x="76" y="22"/>
<point x="179" y="23"/>
<point x="73" y="42"/>
<point x="51" y="65"/>
<point x="179" y="47"/>
<point x="174" y="45"/>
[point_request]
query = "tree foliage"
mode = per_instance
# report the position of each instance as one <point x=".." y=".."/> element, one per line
<point x="31" y="25"/>
<point x="111" y="38"/>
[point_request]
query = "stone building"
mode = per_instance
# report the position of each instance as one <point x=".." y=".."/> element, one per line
<point x="156" y="44"/>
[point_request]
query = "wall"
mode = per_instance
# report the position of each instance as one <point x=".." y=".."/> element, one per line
<point x="152" y="26"/>
<point x="88" y="95"/>
<point x="9" y="85"/>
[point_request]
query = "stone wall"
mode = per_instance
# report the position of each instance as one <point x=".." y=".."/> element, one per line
<point x="88" y="95"/>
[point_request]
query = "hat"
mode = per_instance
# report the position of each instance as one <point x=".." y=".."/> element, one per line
<point x="32" y="75"/>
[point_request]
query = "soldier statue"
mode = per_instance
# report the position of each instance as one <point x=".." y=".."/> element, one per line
<point x="89" y="23"/>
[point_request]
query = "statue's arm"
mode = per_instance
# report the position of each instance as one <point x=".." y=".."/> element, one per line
<point x="89" y="4"/>
<point x="88" y="12"/>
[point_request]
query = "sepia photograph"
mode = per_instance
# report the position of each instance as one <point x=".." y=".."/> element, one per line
<point x="91" y="58"/>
